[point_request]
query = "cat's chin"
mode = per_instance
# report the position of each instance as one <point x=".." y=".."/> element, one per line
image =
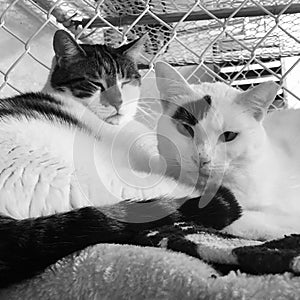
<point x="115" y="119"/>
<point x="192" y="178"/>
<point x="204" y="172"/>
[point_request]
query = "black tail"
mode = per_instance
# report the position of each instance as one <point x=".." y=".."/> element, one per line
<point x="28" y="246"/>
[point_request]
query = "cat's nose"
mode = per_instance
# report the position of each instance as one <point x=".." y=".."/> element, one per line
<point x="113" y="97"/>
<point x="203" y="163"/>
<point x="116" y="103"/>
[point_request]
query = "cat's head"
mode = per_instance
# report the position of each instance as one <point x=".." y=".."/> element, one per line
<point x="103" y="78"/>
<point x="210" y="127"/>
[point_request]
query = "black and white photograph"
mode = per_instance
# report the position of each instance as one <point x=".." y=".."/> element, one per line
<point x="149" y="149"/>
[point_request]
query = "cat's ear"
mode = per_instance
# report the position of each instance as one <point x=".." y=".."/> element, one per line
<point x="170" y="83"/>
<point x="259" y="98"/>
<point x="165" y="71"/>
<point x="135" y="48"/>
<point x="65" y="47"/>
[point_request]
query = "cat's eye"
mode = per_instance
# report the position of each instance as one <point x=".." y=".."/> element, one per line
<point x="97" y="84"/>
<point x="185" y="129"/>
<point x="125" y="82"/>
<point x="228" y="136"/>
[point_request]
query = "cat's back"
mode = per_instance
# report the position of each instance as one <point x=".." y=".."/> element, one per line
<point x="36" y="154"/>
<point x="52" y="162"/>
<point x="40" y="122"/>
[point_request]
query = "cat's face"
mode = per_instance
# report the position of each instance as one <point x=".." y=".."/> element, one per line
<point x="211" y="128"/>
<point x="103" y="78"/>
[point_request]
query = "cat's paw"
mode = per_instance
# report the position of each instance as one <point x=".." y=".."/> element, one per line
<point x="222" y="210"/>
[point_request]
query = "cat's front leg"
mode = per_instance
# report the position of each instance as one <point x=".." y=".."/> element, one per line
<point x="222" y="210"/>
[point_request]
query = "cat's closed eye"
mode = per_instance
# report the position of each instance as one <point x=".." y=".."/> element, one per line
<point x="97" y="85"/>
<point x="228" y="136"/>
<point x="185" y="129"/>
<point x="125" y="82"/>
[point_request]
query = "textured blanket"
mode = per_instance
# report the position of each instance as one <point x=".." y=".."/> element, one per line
<point x="212" y="265"/>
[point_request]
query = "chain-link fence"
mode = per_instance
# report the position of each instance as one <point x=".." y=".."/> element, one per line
<point x="240" y="42"/>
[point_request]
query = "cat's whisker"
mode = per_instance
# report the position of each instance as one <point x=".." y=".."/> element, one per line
<point x="150" y="108"/>
<point x="176" y="163"/>
<point x="145" y="110"/>
<point x="145" y="113"/>
<point x="147" y="107"/>
<point x="153" y="112"/>
<point x="150" y="111"/>
<point x="95" y="85"/>
<point x="145" y="118"/>
<point x="149" y="102"/>
<point x="236" y="165"/>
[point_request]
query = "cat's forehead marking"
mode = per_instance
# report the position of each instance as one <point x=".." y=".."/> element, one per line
<point x="184" y="115"/>
<point x="194" y="111"/>
<point x="102" y="65"/>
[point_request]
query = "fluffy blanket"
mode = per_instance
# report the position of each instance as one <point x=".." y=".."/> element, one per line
<point x="212" y="266"/>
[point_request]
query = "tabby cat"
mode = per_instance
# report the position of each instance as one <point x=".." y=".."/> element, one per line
<point x="60" y="191"/>
<point x="104" y="79"/>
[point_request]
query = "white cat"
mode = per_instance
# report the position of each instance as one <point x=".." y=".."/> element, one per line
<point x="234" y="142"/>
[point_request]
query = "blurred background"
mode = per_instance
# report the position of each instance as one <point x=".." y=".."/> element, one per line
<point x="242" y="43"/>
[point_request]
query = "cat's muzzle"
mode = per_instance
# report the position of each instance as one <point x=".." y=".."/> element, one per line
<point x="114" y="119"/>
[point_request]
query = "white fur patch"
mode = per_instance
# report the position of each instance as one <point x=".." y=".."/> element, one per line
<point x="295" y="264"/>
<point x="48" y="167"/>
<point x="218" y="250"/>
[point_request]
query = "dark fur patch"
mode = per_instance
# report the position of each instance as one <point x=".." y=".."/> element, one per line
<point x="273" y="257"/>
<point x="38" y="106"/>
<point x="193" y="112"/>
<point x="221" y="211"/>
<point x="182" y="114"/>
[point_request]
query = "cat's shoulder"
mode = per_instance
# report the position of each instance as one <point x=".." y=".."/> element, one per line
<point x="27" y="100"/>
<point x="37" y="105"/>
<point x="284" y="116"/>
<point x="283" y="124"/>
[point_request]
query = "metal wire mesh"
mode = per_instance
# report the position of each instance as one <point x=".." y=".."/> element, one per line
<point x="241" y="42"/>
